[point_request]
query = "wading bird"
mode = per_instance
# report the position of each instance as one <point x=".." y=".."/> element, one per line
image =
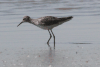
<point x="47" y="23"/>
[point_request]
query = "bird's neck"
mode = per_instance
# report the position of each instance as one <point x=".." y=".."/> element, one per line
<point x="33" y="21"/>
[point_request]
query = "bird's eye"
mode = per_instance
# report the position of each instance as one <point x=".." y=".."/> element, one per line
<point x="24" y="19"/>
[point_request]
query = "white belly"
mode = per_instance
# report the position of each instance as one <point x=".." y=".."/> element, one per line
<point x="47" y="27"/>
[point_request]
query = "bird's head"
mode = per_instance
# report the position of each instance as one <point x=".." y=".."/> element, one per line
<point x="25" y="19"/>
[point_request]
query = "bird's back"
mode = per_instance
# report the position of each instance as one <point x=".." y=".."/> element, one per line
<point x="50" y="20"/>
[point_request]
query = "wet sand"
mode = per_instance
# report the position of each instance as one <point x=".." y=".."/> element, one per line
<point x="70" y="55"/>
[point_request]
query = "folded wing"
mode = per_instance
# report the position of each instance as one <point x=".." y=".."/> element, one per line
<point x="50" y="20"/>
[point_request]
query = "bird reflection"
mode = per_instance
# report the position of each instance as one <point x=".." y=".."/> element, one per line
<point x="51" y="55"/>
<point x="48" y="56"/>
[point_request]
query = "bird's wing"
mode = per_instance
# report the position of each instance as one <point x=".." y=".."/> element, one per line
<point x="48" y="20"/>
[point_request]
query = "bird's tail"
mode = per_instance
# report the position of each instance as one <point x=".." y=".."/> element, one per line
<point x="65" y="18"/>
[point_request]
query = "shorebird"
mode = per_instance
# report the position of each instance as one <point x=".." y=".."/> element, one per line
<point x="47" y="23"/>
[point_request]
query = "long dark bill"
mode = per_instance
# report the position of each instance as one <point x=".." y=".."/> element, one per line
<point x="20" y="24"/>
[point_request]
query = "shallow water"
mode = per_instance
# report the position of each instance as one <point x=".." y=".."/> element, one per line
<point x="77" y="42"/>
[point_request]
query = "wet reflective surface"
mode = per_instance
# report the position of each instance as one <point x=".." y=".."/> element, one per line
<point x="77" y="41"/>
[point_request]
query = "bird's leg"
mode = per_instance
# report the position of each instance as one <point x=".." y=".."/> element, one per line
<point x="54" y="38"/>
<point x="49" y="38"/>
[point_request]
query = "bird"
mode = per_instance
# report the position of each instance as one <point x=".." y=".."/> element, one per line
<point x="46" y="23"/>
